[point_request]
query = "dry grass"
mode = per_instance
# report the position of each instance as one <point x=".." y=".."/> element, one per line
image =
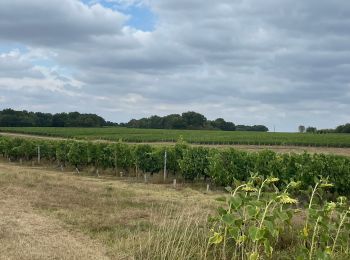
<point x="24" y="234"/>
<point x="47" y="214"/>
<point x="51" y="215"/>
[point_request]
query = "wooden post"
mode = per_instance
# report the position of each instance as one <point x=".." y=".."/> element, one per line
<point x="39" y="154"/>
<point x="208" y="187"/>
<point x="145" y="177"/>
<point x="174" y="183"/>
<point x="115" y="163"/>
<point x="165" y="161"/>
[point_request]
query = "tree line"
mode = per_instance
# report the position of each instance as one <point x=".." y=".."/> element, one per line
<point x="190" y="120"/>
<point x="12" y="118"/>
<point x="341" y="129"/>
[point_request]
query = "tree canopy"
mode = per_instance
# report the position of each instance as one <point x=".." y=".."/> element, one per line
<point x="12" y="118"/>
<point x="190" y="120"/>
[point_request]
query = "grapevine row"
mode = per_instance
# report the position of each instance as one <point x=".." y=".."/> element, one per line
<point x="221" y="166"/>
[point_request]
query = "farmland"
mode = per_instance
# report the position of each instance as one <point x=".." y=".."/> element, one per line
<point x="104" y="199"/>
<point x="191" y="136"/>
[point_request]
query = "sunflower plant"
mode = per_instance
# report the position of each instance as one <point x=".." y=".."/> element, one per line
<point x="255" y="215"/>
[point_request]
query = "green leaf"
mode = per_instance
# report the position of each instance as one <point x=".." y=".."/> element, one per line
<point x="252" y="232"/>
<point x="238" y="223"/>
<point x="322" y="255"/>
<point x="283" y="216"/>
<point x="235" y="202"/>
<point x="256" y="234"/>
<point x="228" y="219"/>
<point x="270" y="227"/>
<point x="252" y="211"/>
<point x="222" y="211"/>
<point x="268" y="248"/>
<point x="234" y="232"/>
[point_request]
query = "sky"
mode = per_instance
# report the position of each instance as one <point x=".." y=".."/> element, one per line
<point x="280" y="63"/>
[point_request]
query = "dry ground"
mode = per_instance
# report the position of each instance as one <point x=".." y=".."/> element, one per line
<point x="45" y="214"/>
<point x="251" y="148"/>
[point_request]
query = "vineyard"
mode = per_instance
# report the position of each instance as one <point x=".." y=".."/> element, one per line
<point x="221" y="167"/>
<point x="190" y="136"/>
<point x="277" y="206"/>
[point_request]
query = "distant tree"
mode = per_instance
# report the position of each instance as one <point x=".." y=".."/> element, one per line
<point x="173" y="121"/>
<point x="10" y="117"/>
<point x="58" y="120"/>
<point x="155" y="122"/>
<point x="43" y="119"/>
<point x="311" y="129"/>
<point x="189" y="120"/>
<point x="325" y="131"/>
<point x="301" y="129"/>
<point x="194" y="120"/>
<point x="255" y="128"/>
<point x="259" y="128"/>
<point x="343" y="128"/>
<point x="221" y="124"/>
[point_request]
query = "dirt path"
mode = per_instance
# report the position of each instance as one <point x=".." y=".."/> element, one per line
<point x="251" y="148"/>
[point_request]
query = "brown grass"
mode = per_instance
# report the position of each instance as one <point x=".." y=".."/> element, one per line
<point x="51" y="215"/>
<point x="47" y="214"/>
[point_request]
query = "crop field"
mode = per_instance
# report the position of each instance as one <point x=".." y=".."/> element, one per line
<point x="84" y="200"/>
<point x="191" y="136"/>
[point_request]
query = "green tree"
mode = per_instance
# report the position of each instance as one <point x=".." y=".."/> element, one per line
<point x="194" y="120"/>
<point x="311" y="129"/>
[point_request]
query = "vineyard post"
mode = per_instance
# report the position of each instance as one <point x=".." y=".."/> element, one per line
<point x="165" y="161"/>
<point x="38" y="154"/>
<point x="115" y="162"/>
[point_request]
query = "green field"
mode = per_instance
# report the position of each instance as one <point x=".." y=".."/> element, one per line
<point x="191" y="136"/>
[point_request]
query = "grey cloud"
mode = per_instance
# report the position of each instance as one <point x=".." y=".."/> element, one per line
<point x="276" y="62"/>
<point x="56" y="22"/>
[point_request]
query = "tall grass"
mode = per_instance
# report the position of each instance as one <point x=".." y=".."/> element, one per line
<point x="183" y="236"/>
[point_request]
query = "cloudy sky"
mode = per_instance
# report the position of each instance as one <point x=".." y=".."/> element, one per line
<point x="272" y="62"/>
